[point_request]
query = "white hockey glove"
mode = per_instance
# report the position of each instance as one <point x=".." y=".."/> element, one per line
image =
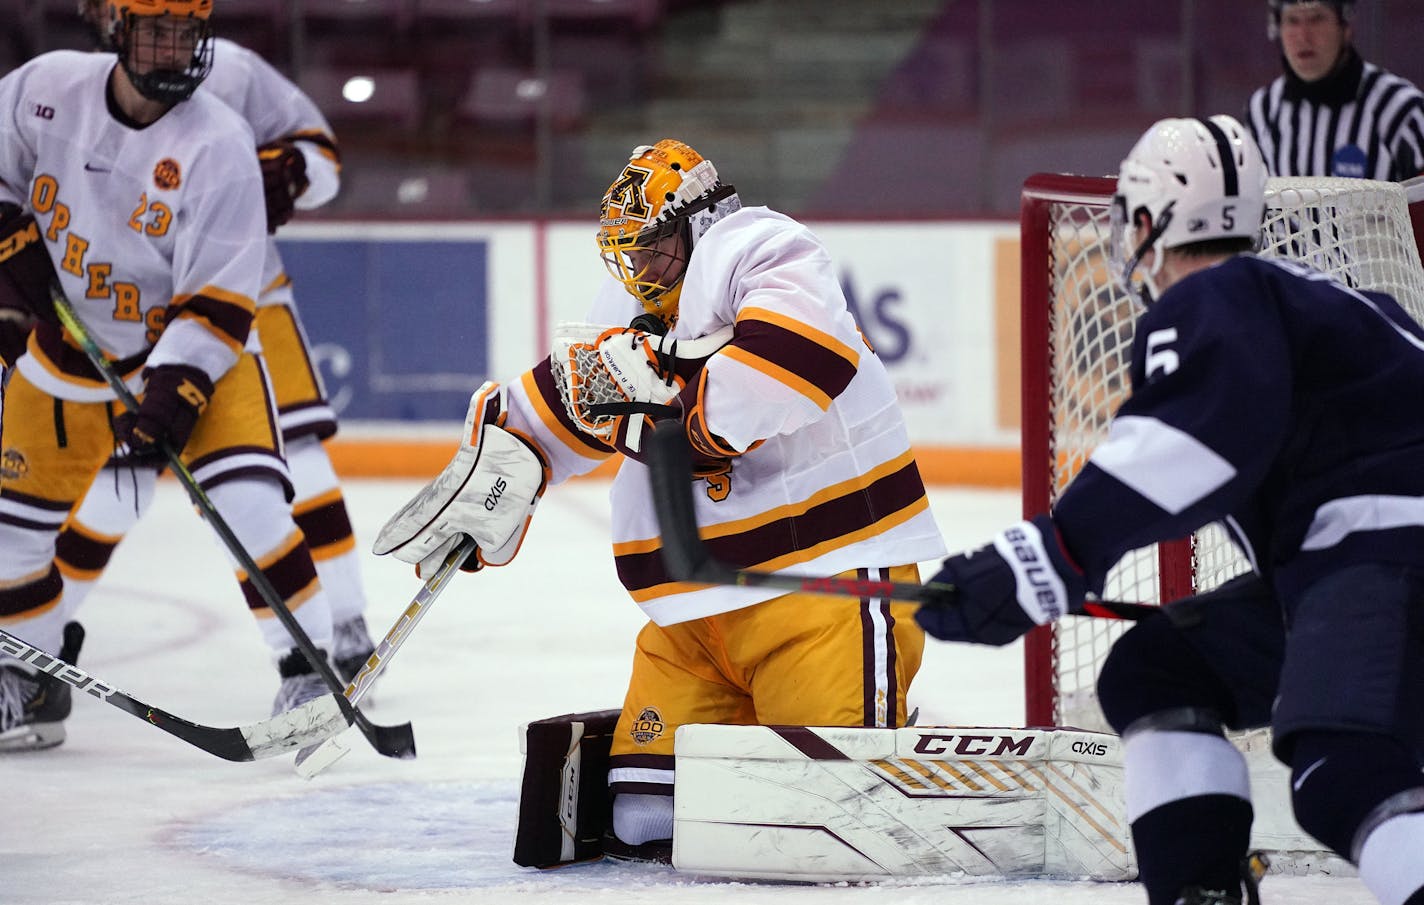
<point x="488" y="492"/>
<point x="621" y="379"/>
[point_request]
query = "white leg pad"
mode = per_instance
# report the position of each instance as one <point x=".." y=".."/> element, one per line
<point x="856" y="804"/>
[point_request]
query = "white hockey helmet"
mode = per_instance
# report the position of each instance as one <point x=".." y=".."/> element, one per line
<point x="1195" y="180"/>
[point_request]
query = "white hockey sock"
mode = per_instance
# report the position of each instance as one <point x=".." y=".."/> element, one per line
<point x="314" y="478"/>
<point x="256" y="510"/>
<point x="1390" y="865"/>
<point x="642" y="818"/>
<point x="1160" y="767"/>
<point x="115" y="501"/>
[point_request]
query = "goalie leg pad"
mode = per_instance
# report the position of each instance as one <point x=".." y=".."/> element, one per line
<point x="563" y="798"/>
<point x="819" y="804"/>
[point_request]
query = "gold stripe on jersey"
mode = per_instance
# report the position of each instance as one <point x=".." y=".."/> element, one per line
<point x="543" y="394"/>
<point x="791" y="324"/>
<point x="227" y="315"/>
<point x="323" y="141"/>
<point x="837" y="516"/>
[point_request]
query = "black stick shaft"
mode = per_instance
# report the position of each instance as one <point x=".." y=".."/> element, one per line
<point x="688" y="559"/>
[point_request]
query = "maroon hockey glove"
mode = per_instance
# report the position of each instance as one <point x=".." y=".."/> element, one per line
<point x="284" y="178"/>
<point x="26" y="271"/>
<point x="172" y="401"/>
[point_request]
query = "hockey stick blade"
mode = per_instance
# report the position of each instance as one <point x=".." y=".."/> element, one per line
<point x="669" y="460"/>
<point x="313" y="722"/>
<point x="391" y="741"/>
<point x="313" y="760"/>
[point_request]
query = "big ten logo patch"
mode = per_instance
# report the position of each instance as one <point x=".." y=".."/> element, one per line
<point x="167" y="175"/>
<point x="648" y="727"/>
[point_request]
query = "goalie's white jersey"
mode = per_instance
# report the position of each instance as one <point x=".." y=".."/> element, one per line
<point x="822" y="477"/>
<point x="274" y="108"/>
<point x="155" y="232"/>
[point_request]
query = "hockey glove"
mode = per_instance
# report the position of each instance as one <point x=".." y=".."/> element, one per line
<point x="488" y="492"/>
<point x="1021" y="579"/>
<point x="173" y="398"/>
<point x="284" y="179"/>
<point x="26" y="270"/>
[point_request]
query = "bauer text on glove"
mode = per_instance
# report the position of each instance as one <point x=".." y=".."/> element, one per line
<point x="1021" y="579"/>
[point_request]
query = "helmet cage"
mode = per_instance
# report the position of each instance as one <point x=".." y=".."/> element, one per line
<point x="134" y="35"/>
<point x="665" y="191"/>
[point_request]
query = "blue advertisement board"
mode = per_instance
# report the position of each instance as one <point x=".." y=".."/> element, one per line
<point x="399" y="329"/>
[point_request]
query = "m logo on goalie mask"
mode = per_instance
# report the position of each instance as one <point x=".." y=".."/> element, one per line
<point x="626" y="199"/>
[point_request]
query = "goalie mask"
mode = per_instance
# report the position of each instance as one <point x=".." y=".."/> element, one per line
<point x="653" y="214"/>
<point x="165" y="46"/>
<point x="1191" y="180"/>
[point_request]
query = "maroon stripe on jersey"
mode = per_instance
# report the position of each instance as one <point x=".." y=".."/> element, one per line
<point x="643" y="761"/>
<point x="809" y="743"/>
<point x="290" y="576"/>
<point x="827" y="521"/>
<point x="72" y="362"/>
<point x="641" y="788"/>
<point x="867" y="654"/>
<point x="25" y="598"/>
<point x="82" y="552"/>
<point x="892" y="684"/>
<point x="325" y="525"/>
<point x="824" y="368"/>
<point x="549" y="393"/>
<point x="319" y="138"/>
<point x="234" y="321"/>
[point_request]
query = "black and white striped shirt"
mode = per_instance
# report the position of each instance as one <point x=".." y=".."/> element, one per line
<point x="1368" y="124"/>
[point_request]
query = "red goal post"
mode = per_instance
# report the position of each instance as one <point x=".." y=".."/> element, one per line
<point x="1076" y="348"/>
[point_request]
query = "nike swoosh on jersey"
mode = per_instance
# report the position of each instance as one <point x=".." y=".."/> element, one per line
<point x="89" y="167"/>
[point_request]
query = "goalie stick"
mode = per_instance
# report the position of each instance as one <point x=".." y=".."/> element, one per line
<point x="312" y="722"/>
<point x="669" y="460"/>
<point x="313" y="760"/>
<point x="391" y="741"/>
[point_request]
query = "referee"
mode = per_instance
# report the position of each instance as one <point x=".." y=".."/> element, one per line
<point x="1332" y="113"/>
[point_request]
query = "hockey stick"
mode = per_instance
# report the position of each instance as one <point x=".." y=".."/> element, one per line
<point x="311" y="761"/>
<point x="312" y="722"/>
<point x="688" y="559"/>
<point x="392" y="741"/>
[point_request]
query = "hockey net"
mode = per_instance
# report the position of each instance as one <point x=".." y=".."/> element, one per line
<point x="1077" y="348"/>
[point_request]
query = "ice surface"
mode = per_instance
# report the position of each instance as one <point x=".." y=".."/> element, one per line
<point x="123" y="813"/>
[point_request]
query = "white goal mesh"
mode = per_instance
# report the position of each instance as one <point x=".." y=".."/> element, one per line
<point x="1078" y="329"/>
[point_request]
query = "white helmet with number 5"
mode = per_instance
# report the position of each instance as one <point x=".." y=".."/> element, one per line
<point x="1187" y="181"/>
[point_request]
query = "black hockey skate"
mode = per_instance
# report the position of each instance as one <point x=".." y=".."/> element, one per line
<point x="1253" y="868"/>
<point x="33" y="708"/>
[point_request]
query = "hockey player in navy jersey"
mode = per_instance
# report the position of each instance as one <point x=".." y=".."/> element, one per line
<point x="1283" y="404"/>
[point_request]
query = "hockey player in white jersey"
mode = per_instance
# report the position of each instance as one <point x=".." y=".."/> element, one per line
<point x="140" y="200"/>
<point x="740" y="330"/>
<point x="1279" y="402"/>
<point x="300" y="170"/>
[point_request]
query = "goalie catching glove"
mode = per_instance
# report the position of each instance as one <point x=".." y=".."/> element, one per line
<point x="618" y="382"/>
<point x="488" y="492"/>
<point x="1021" y="579"/>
